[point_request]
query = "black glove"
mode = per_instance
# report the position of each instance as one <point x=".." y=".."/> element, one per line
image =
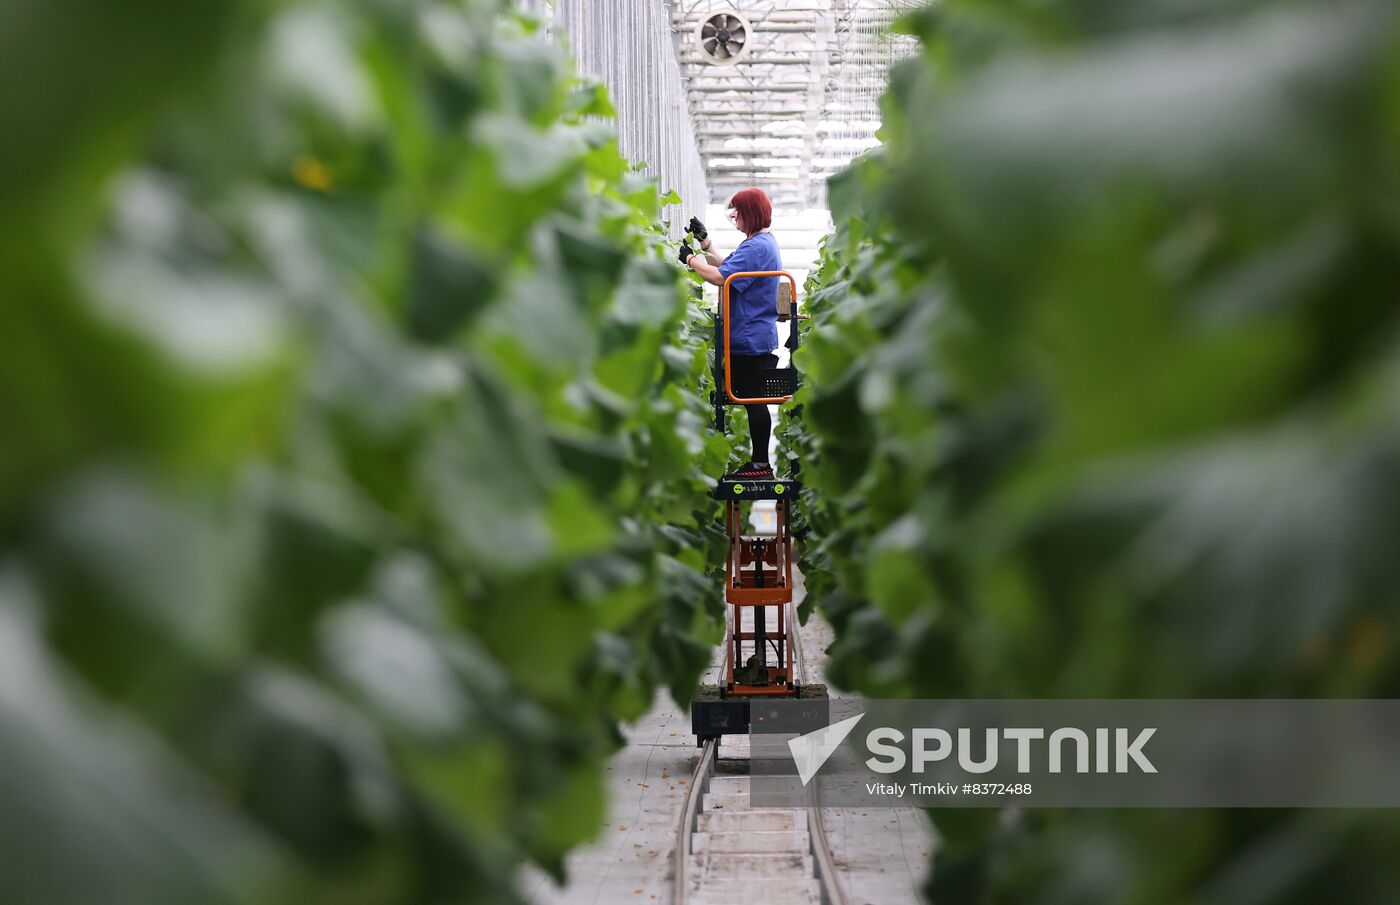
<point x="697" y="229"/>
<point x="686" y="253"/>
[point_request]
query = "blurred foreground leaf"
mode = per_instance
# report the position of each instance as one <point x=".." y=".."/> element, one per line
<point x="1103" y="404"/>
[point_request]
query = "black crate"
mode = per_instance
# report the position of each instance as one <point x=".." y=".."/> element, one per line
<point x="777" y="382"/>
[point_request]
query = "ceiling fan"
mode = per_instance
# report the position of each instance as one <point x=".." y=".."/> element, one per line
<point x="722" y="37"/>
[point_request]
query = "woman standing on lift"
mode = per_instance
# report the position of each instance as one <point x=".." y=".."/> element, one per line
<point x="753" y="308"/>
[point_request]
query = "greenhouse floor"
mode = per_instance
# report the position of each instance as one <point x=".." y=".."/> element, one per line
<point x="881" y="853"/>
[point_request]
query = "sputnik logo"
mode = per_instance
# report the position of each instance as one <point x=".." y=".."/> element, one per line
<point x="812" y="750"/>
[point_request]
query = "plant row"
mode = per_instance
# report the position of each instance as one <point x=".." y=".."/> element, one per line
<point x="352" y="488"/>
<point x="1103" y="404"/>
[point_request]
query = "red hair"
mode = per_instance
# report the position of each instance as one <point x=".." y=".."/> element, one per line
<point x="754" y="207"/>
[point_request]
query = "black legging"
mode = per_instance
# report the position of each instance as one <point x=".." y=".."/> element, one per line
<point x="747" y="381"/>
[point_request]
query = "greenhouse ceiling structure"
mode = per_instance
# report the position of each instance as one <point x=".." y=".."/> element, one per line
<point x="783" y="93"/>
<point x="716" y="95"/>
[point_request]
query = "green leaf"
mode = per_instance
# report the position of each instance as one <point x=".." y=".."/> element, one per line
<point x="100" y="790"/>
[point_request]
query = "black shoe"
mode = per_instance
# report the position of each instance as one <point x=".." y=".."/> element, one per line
<point x="754" y="471"/>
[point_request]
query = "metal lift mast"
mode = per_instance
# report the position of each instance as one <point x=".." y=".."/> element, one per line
<point x="758" y="574"/>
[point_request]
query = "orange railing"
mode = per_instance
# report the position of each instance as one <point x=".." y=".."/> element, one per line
<point x="728" y="372"/>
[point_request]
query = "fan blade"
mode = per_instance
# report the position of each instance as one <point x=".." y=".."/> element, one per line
<point x="709" y="44"/>
<point x="736" y="42"/>
<point x="722" y="52"/>
<point x="708" y="30"/>
<point x="730" y="23"/>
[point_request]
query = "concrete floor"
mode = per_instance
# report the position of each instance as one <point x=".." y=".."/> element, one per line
<point x="631" y="859"/>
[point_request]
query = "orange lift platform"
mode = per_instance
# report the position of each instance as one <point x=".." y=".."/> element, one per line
<point x="761" y="653"/>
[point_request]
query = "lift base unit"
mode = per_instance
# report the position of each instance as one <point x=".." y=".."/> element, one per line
<point x="760" y="667"/>
<point x="712" y="714"/>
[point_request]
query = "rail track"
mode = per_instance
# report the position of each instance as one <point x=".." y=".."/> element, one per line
<point x="728" y="853"/>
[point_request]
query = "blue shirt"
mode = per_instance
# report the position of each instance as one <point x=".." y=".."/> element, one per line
<point x="753" y="301"/>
